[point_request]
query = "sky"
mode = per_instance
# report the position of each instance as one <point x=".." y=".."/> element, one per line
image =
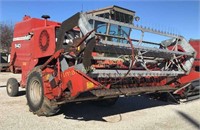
<point x="180" y="17"/>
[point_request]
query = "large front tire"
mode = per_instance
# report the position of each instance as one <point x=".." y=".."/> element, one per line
<point x="36" y="100"/>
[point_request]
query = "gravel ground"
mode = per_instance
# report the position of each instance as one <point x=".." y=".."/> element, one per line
<point x="128" y="113"/>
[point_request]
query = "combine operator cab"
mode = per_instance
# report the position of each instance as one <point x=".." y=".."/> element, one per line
<point x="95" y="56"/>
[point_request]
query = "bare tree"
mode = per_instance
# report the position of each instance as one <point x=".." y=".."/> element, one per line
<point x="6" y="35"/>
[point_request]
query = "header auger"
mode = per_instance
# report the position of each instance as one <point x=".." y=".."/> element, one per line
<point x="92" y="56"/>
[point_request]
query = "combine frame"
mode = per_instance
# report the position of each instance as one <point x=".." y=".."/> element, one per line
<point x="91" y="56"/>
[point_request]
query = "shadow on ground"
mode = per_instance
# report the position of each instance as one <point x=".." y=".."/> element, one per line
<point x="88" y="111"/>
<point x="21" y="93"/>
<point x="189" y="119"/>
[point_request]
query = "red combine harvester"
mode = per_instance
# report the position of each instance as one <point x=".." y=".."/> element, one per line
<point x="90" y="56"/>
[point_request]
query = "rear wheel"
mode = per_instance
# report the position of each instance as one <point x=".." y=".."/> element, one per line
<point x="37" y="102"/>
<point x="12" y="87"/>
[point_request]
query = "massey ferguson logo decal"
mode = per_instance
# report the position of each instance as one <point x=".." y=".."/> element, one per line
<point x="18" y="45"/>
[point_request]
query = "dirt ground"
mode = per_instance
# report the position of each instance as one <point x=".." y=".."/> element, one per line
<point x="128" y="113"/>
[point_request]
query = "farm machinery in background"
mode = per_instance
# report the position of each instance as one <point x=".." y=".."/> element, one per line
<point x="91" y="56"/>
<point x="4" y="60"/>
